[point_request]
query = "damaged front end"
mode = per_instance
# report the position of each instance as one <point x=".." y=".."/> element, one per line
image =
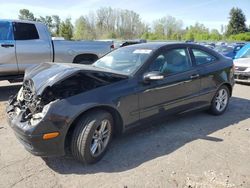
<point x="34" y="111"/>
<point x="31" y="107"/>
<point x="33" y="102"/>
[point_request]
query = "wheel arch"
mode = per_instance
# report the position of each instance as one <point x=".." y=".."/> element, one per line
<point x="86" y="56"/>
<point x="118" y="122"/>
<point x="229" y="86"/>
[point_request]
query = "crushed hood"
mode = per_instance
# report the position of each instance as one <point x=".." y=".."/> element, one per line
<point x="47" y="74"/>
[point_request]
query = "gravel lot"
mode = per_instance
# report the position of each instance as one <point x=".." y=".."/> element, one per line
<point x="195" y="150"/>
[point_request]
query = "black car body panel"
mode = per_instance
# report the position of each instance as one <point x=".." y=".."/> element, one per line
<point x="61" y="93"/>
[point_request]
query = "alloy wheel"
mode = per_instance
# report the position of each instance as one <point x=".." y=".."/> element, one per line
<point x="221" y="100"/>
<point x="100" y="138"/>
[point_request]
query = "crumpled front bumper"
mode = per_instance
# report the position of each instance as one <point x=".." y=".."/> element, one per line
<point x="31" y="137"/>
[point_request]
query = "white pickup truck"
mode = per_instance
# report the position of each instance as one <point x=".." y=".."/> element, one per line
<point x="24" y="44"/>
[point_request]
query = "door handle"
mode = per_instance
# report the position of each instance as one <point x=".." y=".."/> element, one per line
<point x="194" y="76"/>
<point x="7" y="45"/>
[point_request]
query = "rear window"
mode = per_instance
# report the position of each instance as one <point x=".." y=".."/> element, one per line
<point x="25" y="31"/>
<point x="202" y="57"/>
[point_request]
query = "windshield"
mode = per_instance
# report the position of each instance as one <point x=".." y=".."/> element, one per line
<point x="126" y="60"/>
<point x="246" y="54"/>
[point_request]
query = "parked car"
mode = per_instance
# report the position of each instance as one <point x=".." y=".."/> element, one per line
<point x="242" y="65"/>
<point x="221" y="43"/>
<point x="132" y="42"/>
<point x="190" y="41"/>
<point x="209" y="46"/>
<point x="24" y="44"/>
<point x="81" y="107"/>
<point x="229" y="50"/>
<point x="242" y="51"/>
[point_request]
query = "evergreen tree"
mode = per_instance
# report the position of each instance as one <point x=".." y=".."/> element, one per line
<point x="25" y="14"/>
<point x="47" y="21"/>
<point x="80" y="29"/>
<point x="215" y="35"/>
<point x="237" y="22"/>
<point x="66" y="29"/>
<point x="56" y="23"/>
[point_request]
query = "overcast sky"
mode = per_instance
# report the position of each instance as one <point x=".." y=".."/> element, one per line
<point x="212" y="13"/>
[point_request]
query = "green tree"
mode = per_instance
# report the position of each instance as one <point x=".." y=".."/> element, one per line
<point x="215" y="35"/>
<point x="197" y="32"/>
<point x="159" y="32"/>
<point x="91" y="31"/>
<point x="47" y="20"/>
<point x="56" y="23"/>
<point x="66" y="29"/>
<point x="189" y="35"/>
<point x="240" y="37"/>
<point x="80" y="29"/>
<point x="237" y="22"/>
<point x="168" y="27"/>
<point x="25" y="14"/>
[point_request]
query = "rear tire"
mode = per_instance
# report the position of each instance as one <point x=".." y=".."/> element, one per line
<point x="220" y="101"/>
<point x="91" y="137"/>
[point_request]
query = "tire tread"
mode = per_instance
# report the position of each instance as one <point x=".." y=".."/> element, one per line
<point x="80" y="135"/>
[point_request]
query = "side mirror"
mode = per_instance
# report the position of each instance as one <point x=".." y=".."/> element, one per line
<point x="152" y="76"/>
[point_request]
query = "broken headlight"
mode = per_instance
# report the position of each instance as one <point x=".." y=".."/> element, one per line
<point x="36" y="118"/>
<point x="20" y="94"/>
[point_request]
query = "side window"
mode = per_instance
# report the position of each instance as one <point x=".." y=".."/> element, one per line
<point x="6" y="31"/>
<point x="25" y="31"/>
<point x="202" y="57"/>
<point x="171" y="62"/>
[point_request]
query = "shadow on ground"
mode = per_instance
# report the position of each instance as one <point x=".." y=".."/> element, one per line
<point x="153" y="141"/>
<point x="243" y="83"/>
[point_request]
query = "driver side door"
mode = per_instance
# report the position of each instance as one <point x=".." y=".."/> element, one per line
<point x="177" y="91"/>
<point x="8" y="62"/>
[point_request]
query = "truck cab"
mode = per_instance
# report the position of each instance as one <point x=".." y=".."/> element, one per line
<point x="24" y="44"/>
<point x="21" y="46"/>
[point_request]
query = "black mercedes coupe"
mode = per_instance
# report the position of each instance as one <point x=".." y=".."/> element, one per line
<point x="79" y="108"/>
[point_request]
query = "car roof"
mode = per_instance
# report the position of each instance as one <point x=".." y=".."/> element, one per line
<point x="157" y="45"/>
<point x="151" y="45"/>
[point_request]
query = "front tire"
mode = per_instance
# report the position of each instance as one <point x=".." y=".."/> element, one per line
<point x="220" y="101"/>
<point x="92" y="136"/>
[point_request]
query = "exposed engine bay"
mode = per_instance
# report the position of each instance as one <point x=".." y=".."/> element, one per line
<point x="31" y="104"/>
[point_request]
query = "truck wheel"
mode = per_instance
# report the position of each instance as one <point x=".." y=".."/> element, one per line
<point x="92" y="136"/>
<point x="220" y="101"/>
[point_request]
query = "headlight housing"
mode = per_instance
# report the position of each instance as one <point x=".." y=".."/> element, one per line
<point x="36" y="118"/>
<point x="20" y="95"/>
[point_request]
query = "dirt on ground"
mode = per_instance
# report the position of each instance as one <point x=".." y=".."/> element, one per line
<point x="193" y="150"/>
